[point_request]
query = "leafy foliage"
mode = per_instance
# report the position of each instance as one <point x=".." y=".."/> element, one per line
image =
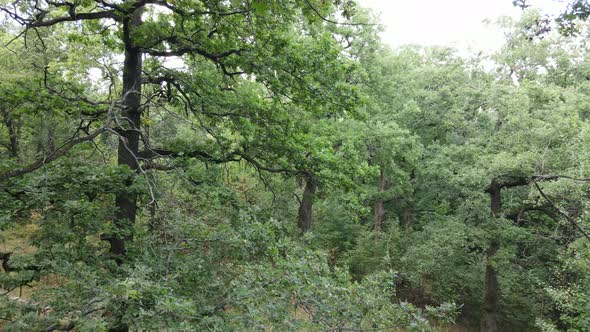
<point x="153" y="157"/>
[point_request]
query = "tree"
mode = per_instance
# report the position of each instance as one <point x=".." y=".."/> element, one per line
<point x="248" y="74"/>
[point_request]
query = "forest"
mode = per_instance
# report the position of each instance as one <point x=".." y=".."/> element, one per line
<point x="272" y="165"/>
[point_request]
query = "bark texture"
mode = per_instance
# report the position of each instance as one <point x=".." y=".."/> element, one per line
<point x="305" y="216"/>
<point x="128" y="148"/>
<point x="489" y="321"/>
<point x="12" y="127"/>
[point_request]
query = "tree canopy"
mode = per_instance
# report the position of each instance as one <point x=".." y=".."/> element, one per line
<point x="271" y="165"/>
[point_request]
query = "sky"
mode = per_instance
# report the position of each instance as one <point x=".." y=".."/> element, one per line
<point x="457" y="23"/>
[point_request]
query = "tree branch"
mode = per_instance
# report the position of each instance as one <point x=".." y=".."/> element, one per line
<point x="231" y="157"/>
<point x="565" y="215"/>
<point x="182" y="51"/>
<point x="508" y="181"/>
<point x="62" y="150"/>
<point x="162" y="153"/>
<point x="323" y="18"/>
<point x="73" y="17"/>
<point x="259" y="166"/>
<point x="557" y="177"/>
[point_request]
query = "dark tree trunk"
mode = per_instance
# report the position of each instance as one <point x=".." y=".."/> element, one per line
<point x="127" y="151"/>
<point x="492" y="291"/>
<point x="305" y="218"/>
<point x="379" y="212"/>
<point x="126" y="202"/>
<point x="12" y="136"/>
<point x="495" y="198"/>
<point x="491" y="288"/>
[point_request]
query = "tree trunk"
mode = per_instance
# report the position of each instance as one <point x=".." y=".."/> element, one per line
<point x="491" y="287"/>
<point x="379" y="207"/>
<point x="304" y="219"/>
<point x="492" y="290"/>
<point x="495" y="191"/>
<point x="12" y="136"/>
<point x="127" y="150"/>
<point x="126" y="202"/>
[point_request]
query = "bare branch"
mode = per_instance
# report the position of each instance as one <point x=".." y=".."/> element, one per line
<point x="565" y="215"/>
<point x="77" y="99"/>
<point x="557" y="177"/>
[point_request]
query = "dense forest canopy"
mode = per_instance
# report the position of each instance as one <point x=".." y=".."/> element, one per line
<point x="189" y="165"/>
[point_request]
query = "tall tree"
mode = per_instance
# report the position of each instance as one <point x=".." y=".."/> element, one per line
<point x="248" y="49"/>
<point x="246" y="74"/>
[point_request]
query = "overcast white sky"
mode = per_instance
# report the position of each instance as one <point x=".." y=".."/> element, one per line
<point x="457" y="23"/>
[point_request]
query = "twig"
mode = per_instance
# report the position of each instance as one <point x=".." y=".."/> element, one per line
<point x="565" y="215"/>
<point x="317" y="12"/>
